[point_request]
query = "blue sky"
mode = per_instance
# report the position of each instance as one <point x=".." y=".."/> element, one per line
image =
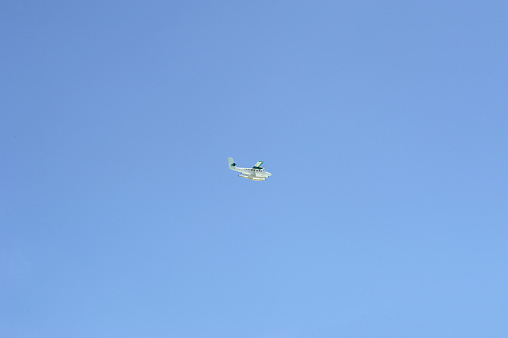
<point x="384" y="124"/>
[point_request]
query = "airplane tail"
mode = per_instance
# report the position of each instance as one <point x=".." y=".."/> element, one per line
<point x="231" y="163"/>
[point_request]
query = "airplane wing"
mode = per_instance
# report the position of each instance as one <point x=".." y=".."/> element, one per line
<point x="258" y="164"/>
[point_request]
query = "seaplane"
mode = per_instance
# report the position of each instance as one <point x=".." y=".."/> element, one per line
<point x="256" y="173"/>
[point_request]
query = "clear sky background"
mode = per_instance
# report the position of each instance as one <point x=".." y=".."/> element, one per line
<point x="384" y="124"/>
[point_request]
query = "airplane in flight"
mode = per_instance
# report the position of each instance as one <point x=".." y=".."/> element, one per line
<point x="256" y="173"/>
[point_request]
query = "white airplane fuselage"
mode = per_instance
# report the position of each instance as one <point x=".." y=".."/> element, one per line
<point x="253" y="174"/>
